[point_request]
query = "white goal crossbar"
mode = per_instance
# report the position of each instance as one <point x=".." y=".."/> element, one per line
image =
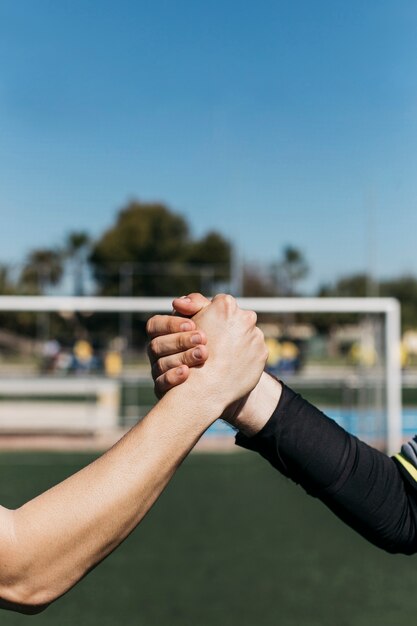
<point x="389" y="307"/>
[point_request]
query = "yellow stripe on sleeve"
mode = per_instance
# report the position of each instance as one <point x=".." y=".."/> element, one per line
<point x="407" y="465"/>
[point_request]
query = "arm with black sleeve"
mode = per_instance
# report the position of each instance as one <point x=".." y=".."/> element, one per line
<point x="374" y="494"/>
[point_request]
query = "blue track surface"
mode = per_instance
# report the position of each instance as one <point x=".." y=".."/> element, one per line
<point x="364" y="425"/>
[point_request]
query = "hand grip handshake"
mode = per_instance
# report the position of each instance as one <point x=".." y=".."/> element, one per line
<point x="213" y="343"/>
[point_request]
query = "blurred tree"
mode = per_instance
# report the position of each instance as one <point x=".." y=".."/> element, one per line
<point x="149" y="251"/>
<point x="257" y="284"/>
<point x="354" y="286"/>
<point x="12" y="321"/>
<point x="404" y="289"/>
<point x="143" y="240"/>
<point x="7" y="286"/>
<point x="212" y="255"/>
<point x="289" y="271"/>
<point x="77" y="248"/>
<point x="43" y="268"/>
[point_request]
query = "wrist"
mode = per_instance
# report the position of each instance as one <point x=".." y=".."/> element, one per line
<point x="193" y="401"/>
<point x="253" y="411"/>
<point x="214" y="399"/>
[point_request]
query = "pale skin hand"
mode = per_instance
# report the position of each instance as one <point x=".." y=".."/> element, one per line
<point x="241" y="376"/>
<point x="168" y="372"/>
<point x="51" y="542"/>
<point x="186" y="348"/>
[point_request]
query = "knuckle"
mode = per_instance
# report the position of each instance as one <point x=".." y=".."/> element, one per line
<point x="159" y="368"/>
<point x="174" y="324"/>
<point x="229" y="300"/>
<point x="252" y="317"/>
<point x="164" y="383"/>
<point x="155" y="371"/>
<point x="180" y="341"/>
<point x="150" y="325"/>
<point x="190" y="358"/>
<point x="264" y="349"/>
<point x="154" y="347"/>
<point x="158" y="388"/>
<point x="170" y="379"/>
<point x="167" y="378"/>
<point x="226" y="301"/>
<point x="259" y="333"/>
<point x="171" y="324"/>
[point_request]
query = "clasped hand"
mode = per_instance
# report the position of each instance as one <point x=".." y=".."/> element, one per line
<point x="221" y="344"/>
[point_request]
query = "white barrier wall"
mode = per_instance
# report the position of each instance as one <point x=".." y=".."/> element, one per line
<point x="59" y="406"/>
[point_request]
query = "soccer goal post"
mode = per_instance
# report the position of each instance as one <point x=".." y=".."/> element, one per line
<point x="389" y="308"/>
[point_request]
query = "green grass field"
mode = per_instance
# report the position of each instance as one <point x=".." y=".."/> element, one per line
<point x="229" y="543"/>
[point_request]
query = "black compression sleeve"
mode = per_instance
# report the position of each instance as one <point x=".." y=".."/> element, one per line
<point x="361" y="485"/>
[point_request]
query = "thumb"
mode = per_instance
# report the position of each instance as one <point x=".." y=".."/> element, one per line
<point x="191" y="304"/>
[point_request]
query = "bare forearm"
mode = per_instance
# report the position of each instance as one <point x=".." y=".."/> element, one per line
<point x="258" y="407"/>
<point x="63" y="533"/>
<point x="52" y="541"/>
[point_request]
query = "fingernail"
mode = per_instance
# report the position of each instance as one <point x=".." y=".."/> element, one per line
<point x="186" y="326"/>
<point x="180" y="371"/>
<point x="186" y="298"/>
<point x="197" y="353"/>
<point x="196" y="339"/>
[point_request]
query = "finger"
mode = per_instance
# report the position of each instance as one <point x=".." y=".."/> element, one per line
<point x="168" y="324"/>
<point x="177" y="342"/>
<point x="192" y="358"/>
<point x="170" y="379"/>
<point x="191" y="304"/>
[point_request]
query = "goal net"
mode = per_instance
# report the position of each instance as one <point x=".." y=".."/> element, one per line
<point x="78" y="364"/>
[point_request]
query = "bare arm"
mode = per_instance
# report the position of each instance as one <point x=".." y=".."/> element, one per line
<point x="48" y="544"/>
<point x="51" y="542"/>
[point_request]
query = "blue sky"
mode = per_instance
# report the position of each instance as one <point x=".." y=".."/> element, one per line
<point x="276" y="122"/>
